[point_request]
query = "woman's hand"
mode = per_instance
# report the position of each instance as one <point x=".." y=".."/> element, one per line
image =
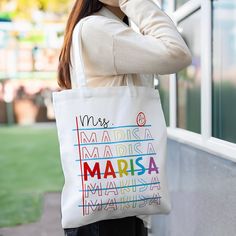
<point x="114" y="3"/>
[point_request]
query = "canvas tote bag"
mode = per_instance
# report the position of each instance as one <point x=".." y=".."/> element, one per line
<point x="112" y="147"/>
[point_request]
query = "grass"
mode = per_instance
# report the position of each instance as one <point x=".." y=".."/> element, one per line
<point x="29" y="167"/>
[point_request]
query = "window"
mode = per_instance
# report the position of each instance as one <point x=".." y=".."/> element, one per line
<point x="224" y="70"/>
<point x="199" y="103"/>
<point x="165" y="4"/>
<point x="179" y="3"/>
<point x="163" y="87"/>
<point x="188" y="80"/>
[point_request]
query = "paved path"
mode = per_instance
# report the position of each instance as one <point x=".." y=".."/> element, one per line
<point x="48" y="225"/>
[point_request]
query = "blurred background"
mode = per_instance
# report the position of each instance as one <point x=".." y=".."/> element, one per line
<point x="198" y="103"/>
<point x="31" y="34"/>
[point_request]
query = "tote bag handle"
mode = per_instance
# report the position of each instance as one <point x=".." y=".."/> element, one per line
<point x="77" y="60"/>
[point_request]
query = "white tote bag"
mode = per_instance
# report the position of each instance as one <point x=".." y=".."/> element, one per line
<point x="112" y="147"/>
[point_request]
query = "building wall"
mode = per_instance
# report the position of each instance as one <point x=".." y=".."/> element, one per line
<point x="203" y="194"/>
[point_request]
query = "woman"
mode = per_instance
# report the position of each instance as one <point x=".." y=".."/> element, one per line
<point x="111" y="50"/>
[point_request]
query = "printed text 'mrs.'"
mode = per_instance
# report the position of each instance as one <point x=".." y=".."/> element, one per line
<point x="91" y="121"/>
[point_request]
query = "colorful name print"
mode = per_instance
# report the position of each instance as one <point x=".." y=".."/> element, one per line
<point x="124" y="168"/>
<point x="121" y="203"/>
<point x="112" y="162"/>
<point x="113" y="188"/>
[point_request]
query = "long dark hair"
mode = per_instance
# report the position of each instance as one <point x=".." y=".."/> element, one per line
<point x="81" y="8"/>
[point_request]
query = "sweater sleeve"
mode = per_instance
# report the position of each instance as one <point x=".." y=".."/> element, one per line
<point x="114" y="48"/>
